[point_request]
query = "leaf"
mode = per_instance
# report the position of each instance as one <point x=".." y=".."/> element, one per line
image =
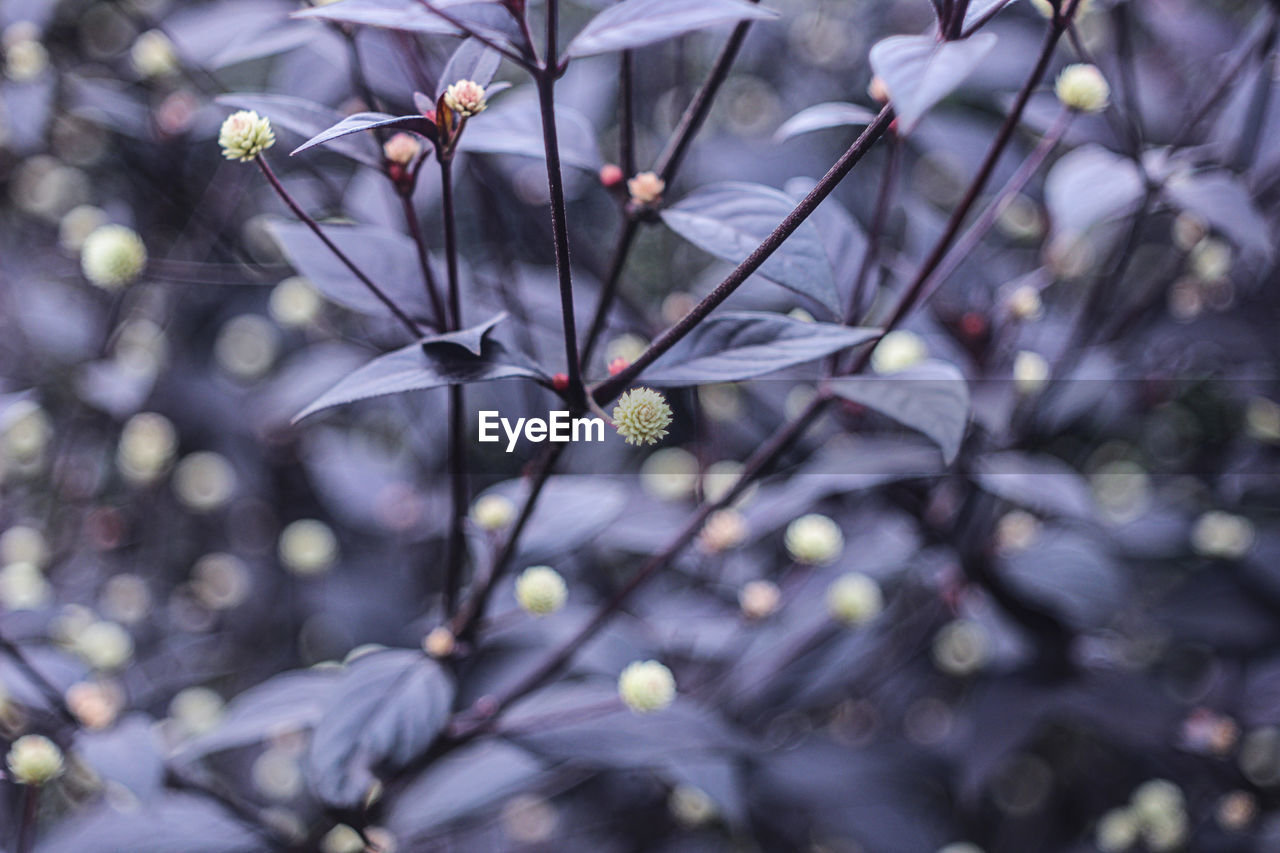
<point x="288" y="703"/>
<point x="472" y="339"/>
<point x="473" y="60"/>
<point x="368" y="121"/>
<point x="1225" y="203"/>
<point x="1040" y="483"/>
<point x="1070" y="574"/>
<point x="430" y="363"/>
<point x="635" y="23"/>
<point x="979" y="9"/>
<point x="1090" y="185"/>
<point x="571" y="511"/>
<point x="932" y="398"/>
<point x="462" y="783"/>
<point x="388" y="257"/>
<point x="743" y="344"/>
<point x="515" y="127"/>
<point x="130" y="753"/>
<point x="821" y="117"/>
<point x="919" y="71"/>
<point x="386" y="711"/>
<point x="186" y="822"/>
<point x="305" y="118"/>
<point x="409" y="15"/>
<point x="730" y="220"/>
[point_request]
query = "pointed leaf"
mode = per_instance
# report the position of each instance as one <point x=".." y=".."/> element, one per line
<point x="634" y="23"/>
<point x="740" y="345"/>
<point x="919" y="71"/>
<point x="472" y="339"/>
<point x="730" y="220"/>
<point x="823" y="116"/>
<point x="387" y="710"/>
<point x="1041" y="483"/>
<point x="368" y="121"/>
<point x="1090" y="185"/>
<point x="426" y="364"/>
<point x="1225" y="203"/>
<point x="473" y="60"/>
<point x="305" y="118"/>
<point x="931" y="398"/>
<point x="515" y="127"/>
<point x="410" y="15"/>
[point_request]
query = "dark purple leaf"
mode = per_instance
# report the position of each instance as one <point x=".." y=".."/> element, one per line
<point x="515" y="127"/>
<point x="822" y="116"/>
<point x="1042" y="484"/>
<point x="931" y="397"/>
<point x="307" y="119"/>
<point x="1090" y="185"/>
<point x="920" y="71"/>
<point x="1225" y="203"/>
<point x="634" y="23"/>
<point x="368" y="121"/>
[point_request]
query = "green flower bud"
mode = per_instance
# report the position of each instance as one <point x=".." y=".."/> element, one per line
<point x="34" y="760"/>
<point x="642" y="416"/>
<point x="1222" y="535"/>
<point x="104" y="645"/>
<point x="204" y="481"/>
<point x="308" y="547"/>
<point x="245" y="135"/>
<point x="897" y="351"/>
<point x="1118" y="830"/>
<point x="854" y="599"/>
<point x="295" y="302"/>
<point x="1082" y="87"/>
<point x="646" y="686"/>
<point x="541" y="590"/>
<point x="112" y="256"/>
<point x="814" y="540"/>
<point x="493" y="512"/>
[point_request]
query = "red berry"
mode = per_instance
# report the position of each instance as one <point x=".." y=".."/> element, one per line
<point x="617" y="366"/>
<point x="973" y="324"/>
<point x="611" y="175"/>
<point x="560" y="382"/>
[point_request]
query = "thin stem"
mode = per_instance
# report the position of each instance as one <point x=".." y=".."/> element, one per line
<point x="424" y="260"/>
<point x="1213" y="98"/>
<point x="51" y="693"/>
<point x="871" y="258"/>
<point x="410" y="325"/>
<point x="457" y="403"/>
<point x="985" y="18"/>
<point x="30" y="817"/>
<point x="955" y="26"/>
<point x="610" y="388"/>
<point x="608" y="291"/>
<point x="559" y="216"/>
<point x="627" y="120"/>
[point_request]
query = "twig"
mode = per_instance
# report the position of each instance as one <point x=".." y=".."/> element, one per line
<point x="457" y="401"/>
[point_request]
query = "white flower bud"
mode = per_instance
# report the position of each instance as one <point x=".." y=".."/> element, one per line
<point x="439" y="642"/>
<point x="308" y="547"/>
<point x="541" y="590"/>
<point x="1236" y="810"/>
<point x="196" y="710"/>
<point x="493" y="512"/>
<point x="96" y="704"/>
<point x="1118" y="830"/>
<point x="897" y="351"/>
<point x="691" y="806"/>
<point x="112" y="256"/>
<point x="34" y="760"/>
<point x="1024" y="303"/>
<point x="152" y="55"/>
<point x="23" y="587"/>
<point x="669" y="474"/>
<point x="960" y="847"/>
<point x="642" y="416"/>
<point x="25" y="60"/>
<point x="1222" y="535"/>
<point x="148" y="443"/>
<point x="247" y="346"/>
<point x="277" y="774"/>
<point x="1082" y="87"/>
<point x="25" y="431"/>
<point x="720" y="478"/>
<point x="1210" y="260"/>
<point x="220" y="581"/>
<point x="295" y="302"/>
<point x="23" y="544"/>
<point x="625" y="347"/>
<point x="204" y="481"/>
<point x="1262" y="420"/>
<point x="77" y="224"/>
<point x="724" y="530"/>
<point x="960" y="647"/>
<point x="245" y="135"/>
<point x="759" y="599"/>
<point x="1030" y="372"/>
<point x="646" y="188"/>
<point x="342" y="839"/>
<point x="466" y="98"/>
<point x="402" y="149"/>
<point x="814" y="540"/>
<point x="646" y="686"/>
<point x="104" y="645"/>
<point x="854" y="599"/>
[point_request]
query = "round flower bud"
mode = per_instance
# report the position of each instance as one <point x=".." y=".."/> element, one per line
<point x="540" y="590"/>
<point x="646" y="188"/>
<point x="1210" y="260"/>
<point x="34" y="760"/>
<point x="1262" y="420"/>
<point x="308" y="547"/>
<point x="960" y="647"/>
<point x="246" y="346"/>
<point x="245" y="135"/>
<point x="854" y="599"/>
<point x="96" y="704"/>
<point x="103" y="645"/>
<point x="814" y="540"/>
<point x="466" y="98"/>
<point x="23" y="587"/>
<point x="721" y="478"/>
<point x="642" y="416"/>
<point x="669" y="474"/>
<point x="439" y="642"/>
<point x="204" y="481"/>
<point x="1016" y="531"/>
<point x="342" y="839"/>
<point x="25" y="60"/>
<point x="77" y="224"/>
<point x="1082" y="87"/>
<point x="724" y="530"/>
<point x="402" y="149"/>
<point x="897" y="351"/>
<point x="24" y="431"/>
<point x="1236" y="810"/>
<point x="1030" y="372"/>
<point x="1117" y="830"/>
<point x="1222" y="535"/>
<point x="646" y="686"/>
<point x="148" y="443"/>
<point x="294" y="302"/>
<point x="691" y="806"/>
<point x="877" y="89"/>
<point x="611" y="175"/>
<point x="152" y="55"/>
<point x="493" y="512"/>
<point x="112" y="256"/>
<point x="196" y="710"/>
<point x="759" y="599"/>
<point x="625" y="347"/>
<point x="22" y="544"/>
<point x="220" y="581"/>
<point x="1045" y="8"/>
<point x="1155" y="798"/>
<point x="1024" y="303"/>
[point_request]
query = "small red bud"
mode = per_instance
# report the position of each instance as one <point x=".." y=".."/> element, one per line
<point x="893" y="126"/>
<point x="611" y="175"/>
<point x="973" y="324"/>
<point x="617" y="366"/>
<point x="560" y="382"/>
